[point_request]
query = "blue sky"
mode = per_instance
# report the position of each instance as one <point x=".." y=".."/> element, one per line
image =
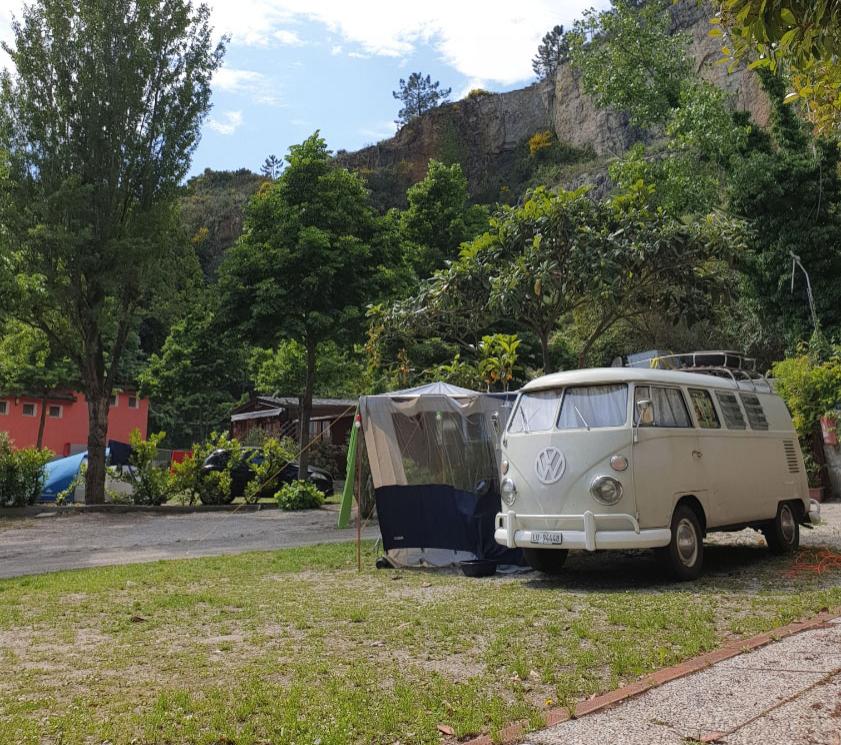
<point x="294" y="66"/>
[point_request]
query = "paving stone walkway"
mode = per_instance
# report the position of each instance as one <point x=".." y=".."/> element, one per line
<point x="788" y="692"/>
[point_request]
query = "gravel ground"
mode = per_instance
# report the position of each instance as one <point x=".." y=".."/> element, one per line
<point x="786" y="692"/>
<point x="48" y="544"/>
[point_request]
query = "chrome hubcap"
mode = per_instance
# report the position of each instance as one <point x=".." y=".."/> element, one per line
<point x="787" y="524"/>
<point x="686" y="542"/>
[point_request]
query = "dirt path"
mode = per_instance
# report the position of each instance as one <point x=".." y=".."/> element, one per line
<point x="49" y="544"/>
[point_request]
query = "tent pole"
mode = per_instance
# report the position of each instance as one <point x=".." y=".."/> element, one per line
<point x="357" y="490"/>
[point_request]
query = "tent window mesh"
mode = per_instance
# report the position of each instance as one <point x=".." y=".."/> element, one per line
<point x="445" y="448"/>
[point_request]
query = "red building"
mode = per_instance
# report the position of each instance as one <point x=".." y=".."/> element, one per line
<point x="66" y="421"/>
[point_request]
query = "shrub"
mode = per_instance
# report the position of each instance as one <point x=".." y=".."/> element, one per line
<point x="809" y="388"/>
<point x="276" y="454"/>
<point x="329" y="456"/>
<point x="299" y="495"/>
<point x="149" y="478"/>
<point x="21" y="473"/>
<point x="478" y="93"/>
<point x="190" y="484"/>
<point x="540" y="144"/>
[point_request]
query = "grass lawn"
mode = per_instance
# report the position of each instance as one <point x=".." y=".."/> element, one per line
<point x="295" y="646"/>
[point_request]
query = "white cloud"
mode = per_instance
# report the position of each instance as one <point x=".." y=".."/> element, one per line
<point x="289" y="38"/>
<point x="494" y="41"/>
<point x="231" y="121"/>
<point x="336" y="49"/>
<point x="259" y="88"/>
<point x="358" y="55"/>
<point x="470" y="85"/>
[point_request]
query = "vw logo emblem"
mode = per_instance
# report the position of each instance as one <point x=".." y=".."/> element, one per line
<point x="550" y="465"/>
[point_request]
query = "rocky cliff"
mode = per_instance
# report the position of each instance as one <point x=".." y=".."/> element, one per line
<point x="487" y="133"/>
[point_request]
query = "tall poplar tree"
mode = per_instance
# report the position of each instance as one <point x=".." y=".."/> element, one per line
<point x="99" y="117"/>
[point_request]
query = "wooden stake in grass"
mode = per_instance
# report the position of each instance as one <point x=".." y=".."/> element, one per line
<point x="357" y="477"/>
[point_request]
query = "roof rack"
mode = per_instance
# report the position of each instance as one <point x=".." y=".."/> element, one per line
<point x="723" y="364"/>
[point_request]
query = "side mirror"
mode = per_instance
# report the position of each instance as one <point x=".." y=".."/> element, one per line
<point x="645" y="413"/>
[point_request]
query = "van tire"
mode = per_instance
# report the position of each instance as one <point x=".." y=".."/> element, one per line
<point x="685" y="553"/>
<point x="782" y="534"/>
<point x="546" y="560"/>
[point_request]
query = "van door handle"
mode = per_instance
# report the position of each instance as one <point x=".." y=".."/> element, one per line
<point x="697" y="454"/>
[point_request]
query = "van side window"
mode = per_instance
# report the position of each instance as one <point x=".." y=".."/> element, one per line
<point x="705" y="413"/>
<point x="732" y="412"/>
<point x="668" y="404"/>
<point x="754" y="410"/>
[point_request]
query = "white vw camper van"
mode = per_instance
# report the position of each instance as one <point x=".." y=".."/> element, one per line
<point x="622" y="458"/>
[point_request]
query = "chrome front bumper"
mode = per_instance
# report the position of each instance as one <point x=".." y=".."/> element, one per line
<point x="589" y="531"/>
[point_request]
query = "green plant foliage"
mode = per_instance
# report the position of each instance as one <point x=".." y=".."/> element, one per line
<point x="282" y="371"/>
<point x="802" y="37"/>
<point x="196" y="378"/>
<point x="299" y="495"/>
<point x="148" y="476"/>
<point x="498" y="358"/>
<point x="562" y="253"/>
<point x="21" y="473"/>
<point x="189" y="484"/>
<point x="477" y="93"/>
<point x="212" y="207"/>
<point x="275" y="456"/>
<point x="629" y="61"/>
<point x="439" y="217"/>
<point x="789" y="194"/>
<point x="809" y="387"/>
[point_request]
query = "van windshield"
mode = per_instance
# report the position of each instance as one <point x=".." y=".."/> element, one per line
<point x="535" y="412"/>
<point x="592" y="406"/>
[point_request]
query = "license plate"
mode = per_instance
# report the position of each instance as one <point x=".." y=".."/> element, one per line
<point x="547" y="537"/>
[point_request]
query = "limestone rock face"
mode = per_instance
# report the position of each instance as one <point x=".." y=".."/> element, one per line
<point x="488" y="133"/>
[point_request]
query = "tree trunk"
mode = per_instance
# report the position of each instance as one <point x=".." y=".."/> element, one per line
<point x="544" y="350"/>
<point x="98" y="402"/>
<point x="305" y="413"/>
<point x="42" y="423"/>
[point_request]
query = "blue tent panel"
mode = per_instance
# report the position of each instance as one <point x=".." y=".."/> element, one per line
<point x="60" y="474"/>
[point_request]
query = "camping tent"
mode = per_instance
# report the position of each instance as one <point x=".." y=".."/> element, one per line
<point x="434" y="458"/>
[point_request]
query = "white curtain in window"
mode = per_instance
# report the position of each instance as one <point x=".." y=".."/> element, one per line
<point x="669" y="407"/>
<point x="535" y="412"/>
<point x="594" y="406"/>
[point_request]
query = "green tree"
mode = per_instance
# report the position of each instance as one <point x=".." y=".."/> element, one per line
<point x="283" y="370"/>
<point x="307" y="263"/>
<point x="801" y="36"/>
<point x="439" y="217"/>
<point x="29" y="364"/>
<point x="418" y="95"/>
<point x="552" y="52"/>
<point x="271" y="167"/>
<point x="629" y="61"/>
<point x="789" y="193"/>
<point x="196" y="378"/>
<point x="99" y="118"/>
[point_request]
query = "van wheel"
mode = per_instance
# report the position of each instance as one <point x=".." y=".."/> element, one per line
<point x="685" y="552"/>
<point x="782" y="534"/>
<point x="546" y="560"/>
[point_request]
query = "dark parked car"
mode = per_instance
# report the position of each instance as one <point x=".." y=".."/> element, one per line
<point x="243" y="472"/>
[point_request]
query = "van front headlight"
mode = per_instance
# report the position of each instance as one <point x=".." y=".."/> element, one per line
<point x="508" y="489"/>
<point x="606" y="490"/>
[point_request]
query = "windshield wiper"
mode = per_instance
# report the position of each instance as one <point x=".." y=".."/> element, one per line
<point x="581" y="417"/>
<point x="525" y="420"/>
